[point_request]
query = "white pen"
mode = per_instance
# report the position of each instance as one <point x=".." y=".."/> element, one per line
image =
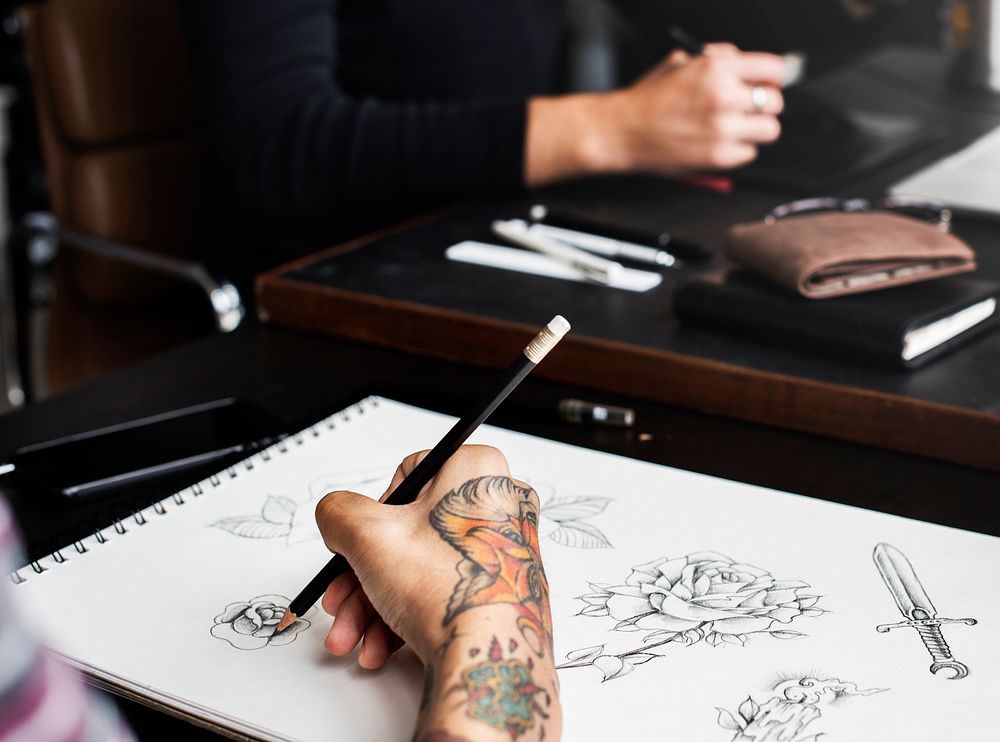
<point x="517" y="232"/>
<point x="605" y="245"/>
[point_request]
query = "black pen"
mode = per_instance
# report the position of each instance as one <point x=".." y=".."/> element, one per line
<point x="686" y="41"/>
<point x="683" y="249"/>
<point x="429" y="466"/>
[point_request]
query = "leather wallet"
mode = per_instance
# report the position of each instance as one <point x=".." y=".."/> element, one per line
<point x="831" y="254"/>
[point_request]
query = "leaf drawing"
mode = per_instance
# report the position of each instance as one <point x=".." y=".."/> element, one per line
<point x="748" y="709"/>
<point x="253" y="526"/>
<point x="568" y="515"/>
<point x="574" y="508"/>
<point x="361" y="480"/>
<point x="278" y="509"/>
<point x="727" y="721"/>
<point x="579" y="535"/>
<point x="587" y="653"/>
<point x="612" y="666"/>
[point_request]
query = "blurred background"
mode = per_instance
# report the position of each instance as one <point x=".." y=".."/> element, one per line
<point x="109" y="224"/>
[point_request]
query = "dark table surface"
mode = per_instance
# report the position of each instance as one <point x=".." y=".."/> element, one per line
<point x="295" y="376"/>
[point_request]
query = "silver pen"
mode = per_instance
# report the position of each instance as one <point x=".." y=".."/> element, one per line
<point x="605" y="245"/>
<point x="517" y="232"/>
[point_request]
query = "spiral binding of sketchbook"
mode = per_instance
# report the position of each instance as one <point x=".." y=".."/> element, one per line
<point x="141" y="516"/>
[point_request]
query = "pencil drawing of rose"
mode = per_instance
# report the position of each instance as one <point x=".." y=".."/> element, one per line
<point x="706" y="595"/>
<point x="703" y="596"/>
<point x="251" y="625"/>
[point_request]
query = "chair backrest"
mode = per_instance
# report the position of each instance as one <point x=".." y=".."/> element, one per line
<point x="113" y="91"/>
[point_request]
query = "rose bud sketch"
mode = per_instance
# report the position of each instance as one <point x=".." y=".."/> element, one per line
<point x="251" y="625"/>
<point x="702" y="597"/>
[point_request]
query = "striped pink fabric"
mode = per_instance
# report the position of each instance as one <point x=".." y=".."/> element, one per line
<point x="42" y="700"/>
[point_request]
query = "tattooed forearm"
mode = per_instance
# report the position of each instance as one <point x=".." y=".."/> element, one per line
<point x="493" y="523"/>
<point x="495" y="670"/>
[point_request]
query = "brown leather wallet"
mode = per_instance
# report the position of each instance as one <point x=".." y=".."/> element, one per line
<point x="832" y="254"/>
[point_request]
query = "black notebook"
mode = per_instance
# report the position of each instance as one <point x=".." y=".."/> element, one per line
<point x="904" y="327"/>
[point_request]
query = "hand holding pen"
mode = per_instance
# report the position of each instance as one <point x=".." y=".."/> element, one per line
<point x="710" y="111"/>
<point x="707" y="108"/>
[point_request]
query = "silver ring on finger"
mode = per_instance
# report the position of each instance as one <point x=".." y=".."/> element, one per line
<point x="758" y="98"/>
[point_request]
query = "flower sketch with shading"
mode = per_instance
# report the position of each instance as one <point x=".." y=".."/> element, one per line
<point x="702" y="597"/>
<point x="794" y="705"/>
<point x="251" y="625"/>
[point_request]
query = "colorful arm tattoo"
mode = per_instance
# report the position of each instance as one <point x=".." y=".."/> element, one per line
<point x="496" y="690"/>
<point x="502" y="693"/>
<point x="493" y="523"/>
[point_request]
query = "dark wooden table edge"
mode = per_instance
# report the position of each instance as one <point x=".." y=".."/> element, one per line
<point x="858" y="415"/>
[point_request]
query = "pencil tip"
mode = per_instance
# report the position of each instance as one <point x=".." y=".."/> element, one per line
<point x="287" y="620"/>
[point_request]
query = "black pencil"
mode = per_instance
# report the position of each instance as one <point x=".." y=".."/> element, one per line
<point x="410" y="487"/>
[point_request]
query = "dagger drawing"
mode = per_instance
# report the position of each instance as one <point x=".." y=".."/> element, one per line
<point x="903" y="583"/>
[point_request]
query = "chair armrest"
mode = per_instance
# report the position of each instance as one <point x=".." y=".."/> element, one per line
<point x="223" y="296"/>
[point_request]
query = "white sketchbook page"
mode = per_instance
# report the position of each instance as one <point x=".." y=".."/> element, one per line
<point x="141" y="606"/>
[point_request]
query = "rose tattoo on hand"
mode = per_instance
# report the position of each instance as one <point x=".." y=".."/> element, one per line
<point x="251" y="625"/>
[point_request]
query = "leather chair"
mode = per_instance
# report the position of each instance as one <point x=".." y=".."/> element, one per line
<point x="124" y="161"/>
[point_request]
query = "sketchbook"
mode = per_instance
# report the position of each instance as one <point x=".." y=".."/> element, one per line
<point x="685" y="606"/>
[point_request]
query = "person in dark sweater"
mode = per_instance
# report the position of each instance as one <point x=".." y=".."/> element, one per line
<point x="327" y="117"/>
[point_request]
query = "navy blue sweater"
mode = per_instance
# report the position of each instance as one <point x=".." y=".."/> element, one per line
<point x="315" y="106"/>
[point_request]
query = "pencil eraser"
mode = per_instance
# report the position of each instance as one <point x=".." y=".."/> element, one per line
<point x="558" y="326"/>
<point x="547" y="339"/>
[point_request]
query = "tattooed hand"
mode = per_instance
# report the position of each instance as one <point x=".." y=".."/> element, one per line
<point x="458" y="576"/>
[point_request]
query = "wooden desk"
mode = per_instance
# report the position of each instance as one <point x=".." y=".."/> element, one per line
<point x="397" y="289"/>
